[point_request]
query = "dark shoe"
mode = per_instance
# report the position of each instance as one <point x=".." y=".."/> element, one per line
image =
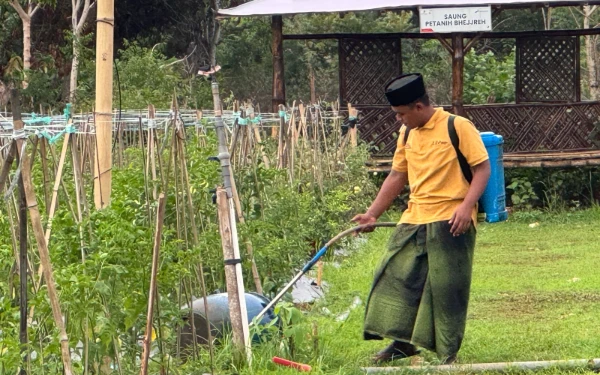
<point x="396" y="350"/>
<point x="449" y="360"/>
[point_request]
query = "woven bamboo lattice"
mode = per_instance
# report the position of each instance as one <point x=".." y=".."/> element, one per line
<point x="365" y="68"/>
<point x="531" y="127"/>
<point x="525" y="127"/>
<point x="548" y="69"/>
<point x="379" y="128"/>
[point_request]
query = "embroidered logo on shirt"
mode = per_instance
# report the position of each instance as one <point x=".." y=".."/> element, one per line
<point x="438" y="143"/>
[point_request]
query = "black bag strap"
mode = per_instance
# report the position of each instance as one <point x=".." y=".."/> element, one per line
<point x="464" y="165"/>
<point x="406" y="134"/>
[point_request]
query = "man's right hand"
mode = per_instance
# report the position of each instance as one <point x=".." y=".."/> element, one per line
<point x="365" y="219"/>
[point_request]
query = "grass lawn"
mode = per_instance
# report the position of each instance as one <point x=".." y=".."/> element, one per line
<point x="535" y="296"/>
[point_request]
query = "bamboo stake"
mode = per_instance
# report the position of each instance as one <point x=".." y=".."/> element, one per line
<point x="257" y="137"/>
<point x="34" y="150"/>
<point x="57" y="183"/>
<point x="151" y="148"/>
<point x="143" y="149"/>
<point x="6" y="166"/>
<point x="201" y="266"/>
<point x="43" y="157"/>
<point x="79" y="195"/>
<point x="36" y="223"/>
<point x="281" y="162"/>
<point x="104" y="91"/>
<point x="200" y="129"/>
<point x="22" y="265"/>
<point x="151" y="295"/>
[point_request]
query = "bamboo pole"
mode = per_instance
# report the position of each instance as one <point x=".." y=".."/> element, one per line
<point x="151" y="148"/>
<point x="201" y="266"/>
<point x="43" y="157"/>
<point x="57" y="183"/>
<point x="153" y="275"/>
<point x="36" y="223"/>
<point x="257" y="137"/>
<point x="23" y="339"/>
<point x="6" y="166"/>
<point x="104" y="92"/>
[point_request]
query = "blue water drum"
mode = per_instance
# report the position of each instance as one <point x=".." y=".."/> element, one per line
<point x="493" y="200"/>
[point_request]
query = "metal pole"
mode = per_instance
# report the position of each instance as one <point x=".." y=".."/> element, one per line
<point x="225" y="161"/>
<point x="592" y="364"/>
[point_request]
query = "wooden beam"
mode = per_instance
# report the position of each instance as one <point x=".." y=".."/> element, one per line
<point x="277" y="50"/>
<point x="458" y="64"/>
<point x="486" y="35"/>
<point x="104" y="91"/>
<point x="471" y="43"/>
<point x="444" y="43"/>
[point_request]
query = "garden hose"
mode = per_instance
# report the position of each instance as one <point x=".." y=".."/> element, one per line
<point x="315" y="259"/>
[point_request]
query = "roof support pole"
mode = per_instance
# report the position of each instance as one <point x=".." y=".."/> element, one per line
<point x="277" y="50"/>
<point x="458" y="65"/>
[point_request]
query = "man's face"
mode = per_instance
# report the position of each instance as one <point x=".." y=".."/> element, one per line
<point x="410" y="115"/>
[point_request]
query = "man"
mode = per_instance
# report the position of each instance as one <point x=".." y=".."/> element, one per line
<point x="420" y="292"/>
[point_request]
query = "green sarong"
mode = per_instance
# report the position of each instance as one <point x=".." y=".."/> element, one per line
<point x="421" y="289"/>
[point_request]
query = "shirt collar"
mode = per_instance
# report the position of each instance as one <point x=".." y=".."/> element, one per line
<point x="437" y="116"/>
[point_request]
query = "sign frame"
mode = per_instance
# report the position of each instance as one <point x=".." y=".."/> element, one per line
<point x="455" y="19"/>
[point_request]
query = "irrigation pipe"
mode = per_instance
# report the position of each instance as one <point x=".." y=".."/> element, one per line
<point x="591" y="364"/>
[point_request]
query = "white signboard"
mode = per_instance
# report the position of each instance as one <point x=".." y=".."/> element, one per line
<point x="449" y="20"/>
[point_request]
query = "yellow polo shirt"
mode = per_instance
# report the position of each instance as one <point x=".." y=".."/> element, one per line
<point x="437" y="184"/>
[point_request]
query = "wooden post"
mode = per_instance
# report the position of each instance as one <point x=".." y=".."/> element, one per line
<point x="458" y="64"/>
<point x="233" y="293"/>
<point x="104" y="91"/>
<point x="152" y="293"/>
<point x="277" y="50"/>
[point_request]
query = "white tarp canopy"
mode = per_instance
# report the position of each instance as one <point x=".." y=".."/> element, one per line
<point x="282" y="7"/>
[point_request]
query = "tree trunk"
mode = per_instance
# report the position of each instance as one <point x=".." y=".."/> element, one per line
<point x="74" y="69"/>
<point x="26" y="49"/>
<point x="591" y="54"/>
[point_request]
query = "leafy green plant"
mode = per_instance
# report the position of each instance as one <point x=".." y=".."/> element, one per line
<point x="489" y="79"/>
<point x="523" y="194"/>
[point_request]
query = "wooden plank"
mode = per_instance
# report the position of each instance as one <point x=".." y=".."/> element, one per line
<point x="522" y="160"/>
<point x="491" y="35"/>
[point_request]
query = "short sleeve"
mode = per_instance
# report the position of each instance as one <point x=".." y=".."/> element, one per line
<point x="470" y="143"/>
<point x="399" y="163"/>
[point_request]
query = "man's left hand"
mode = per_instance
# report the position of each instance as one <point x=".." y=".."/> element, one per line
<point x="461" y="220"/>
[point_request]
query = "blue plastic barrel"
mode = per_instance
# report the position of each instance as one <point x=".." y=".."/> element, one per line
<point x="493" y="200"/>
